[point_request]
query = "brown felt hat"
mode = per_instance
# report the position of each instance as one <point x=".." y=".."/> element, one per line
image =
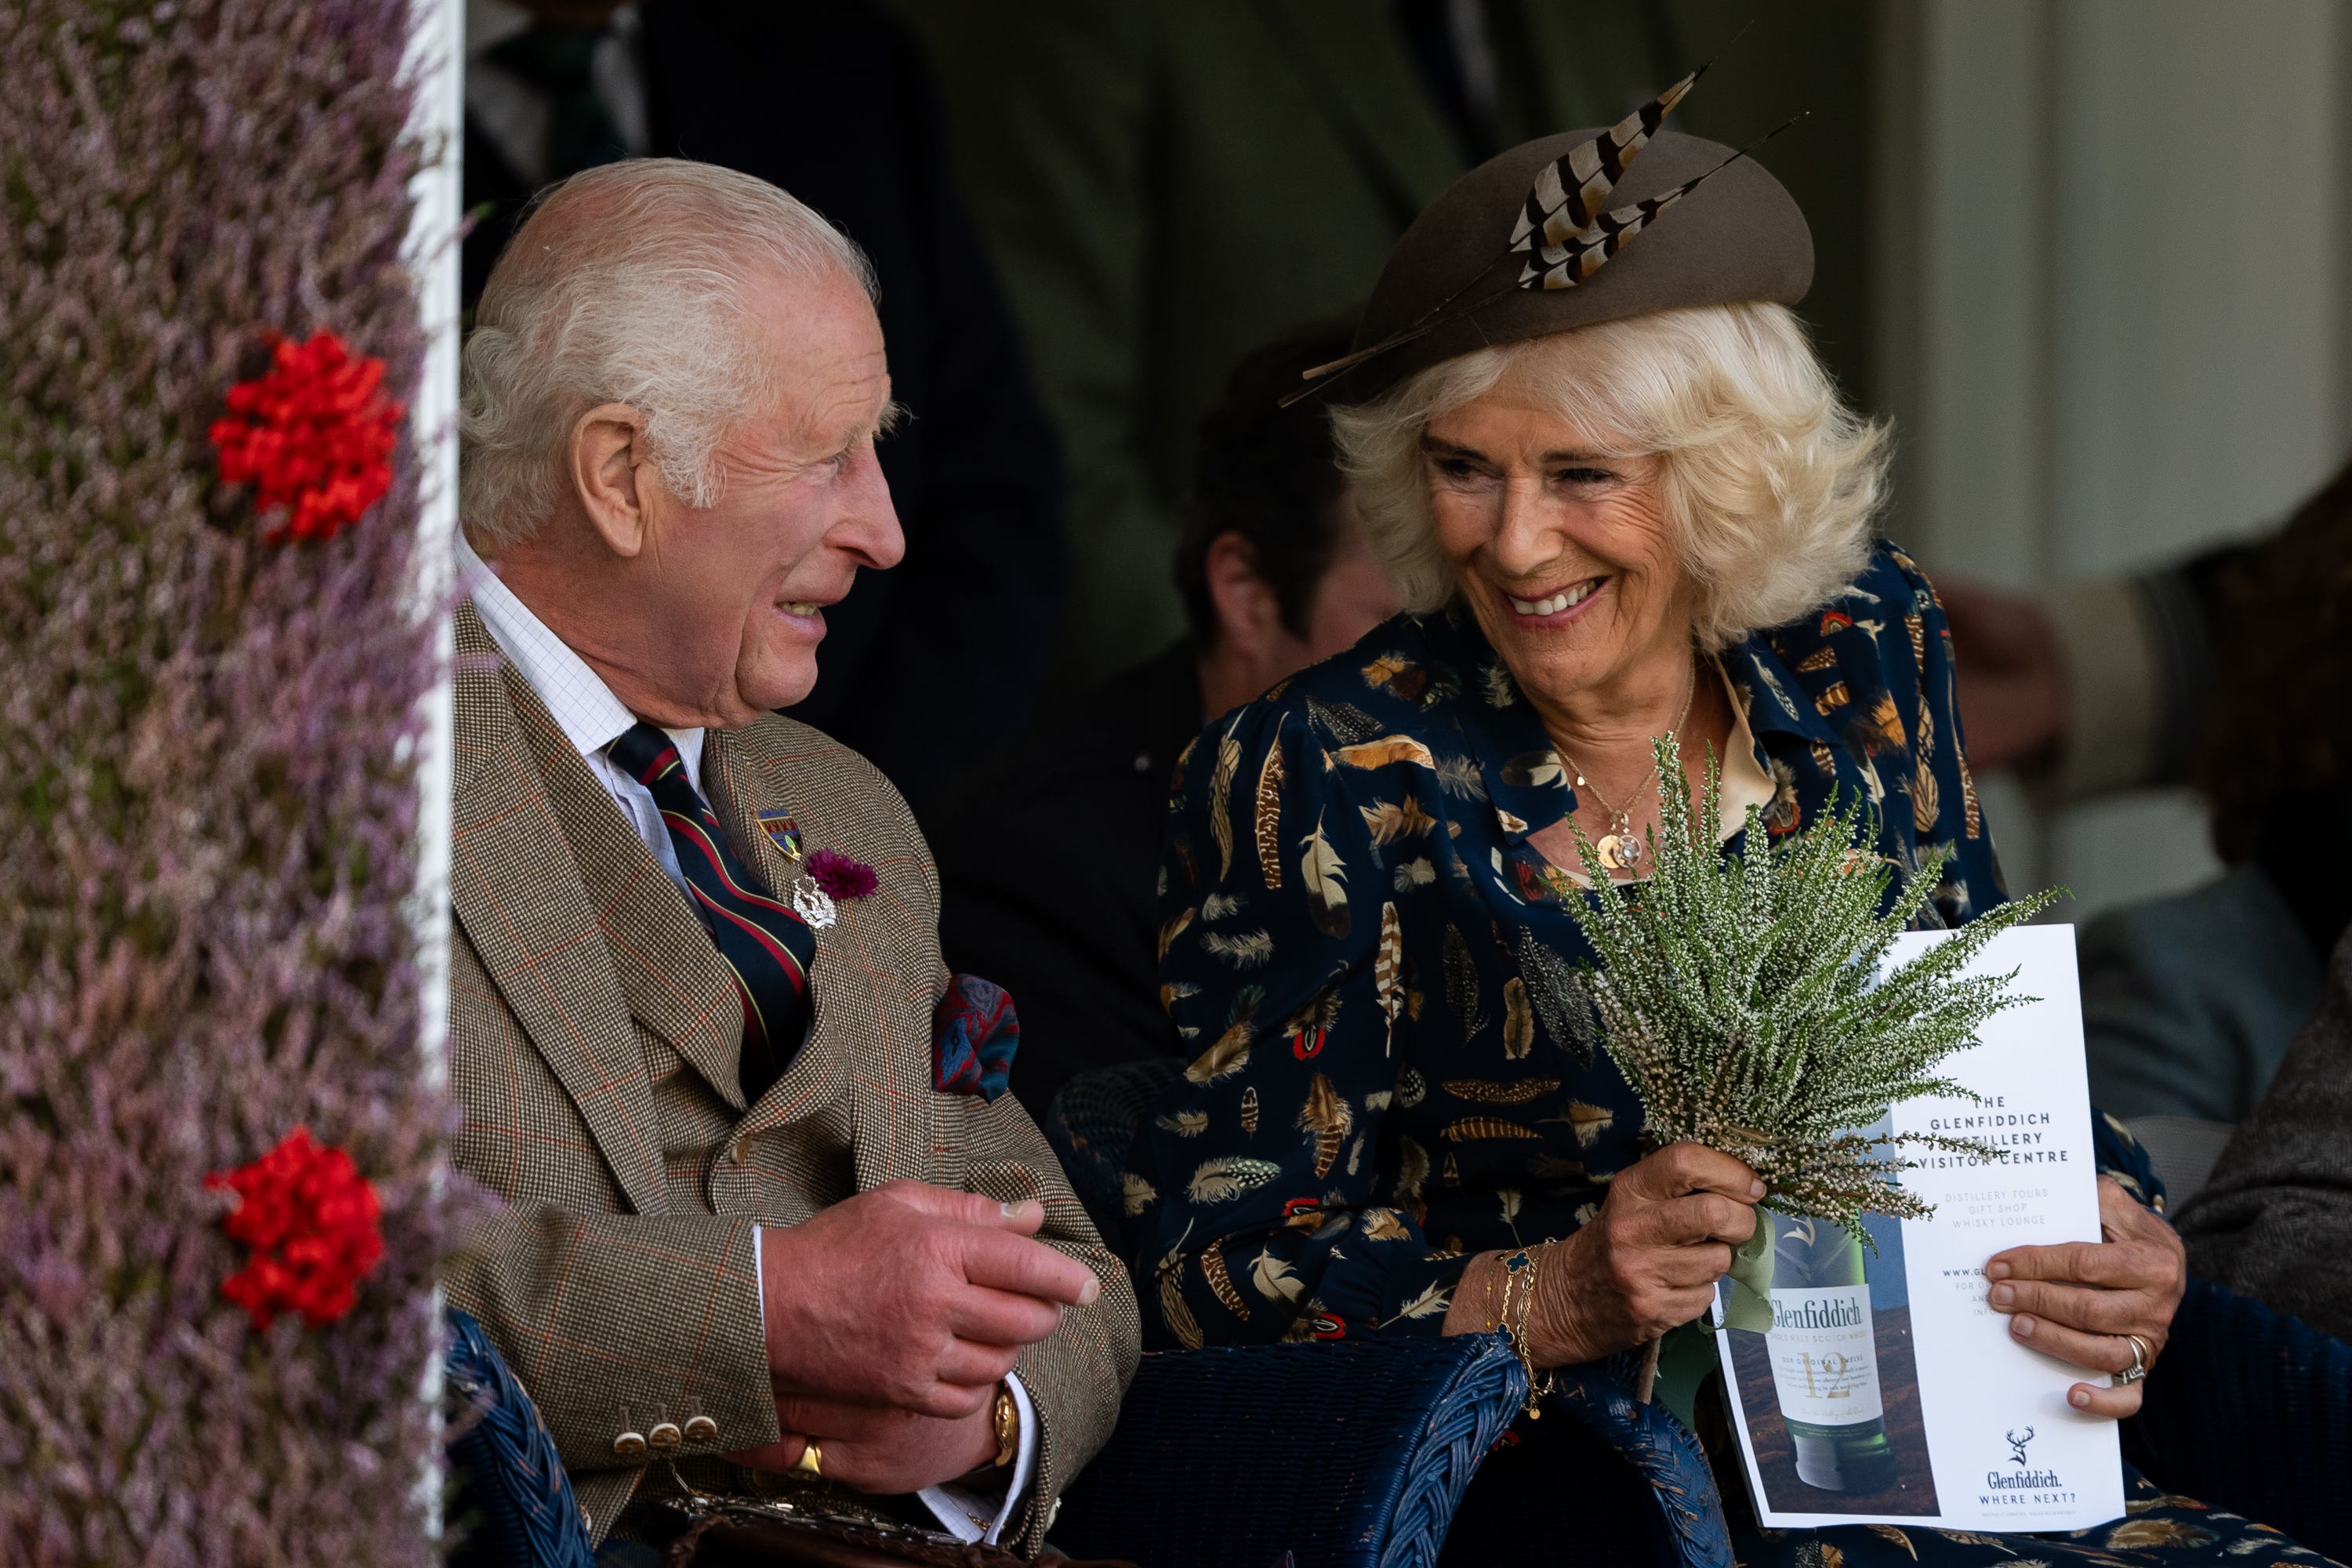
<point x="1737" y="236"/>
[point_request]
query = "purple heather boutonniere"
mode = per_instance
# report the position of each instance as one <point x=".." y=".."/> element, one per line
<point x="840" y="877"/>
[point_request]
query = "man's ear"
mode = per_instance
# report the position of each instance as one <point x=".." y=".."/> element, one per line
<point x="1249" y="616"/>
<point x="610" y="471"/>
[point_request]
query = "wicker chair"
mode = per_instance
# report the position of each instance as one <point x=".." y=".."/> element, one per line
<point x="2251" y="1410"/>
<point x="1210" y="1462"/>
<point x="513" y="1504"/>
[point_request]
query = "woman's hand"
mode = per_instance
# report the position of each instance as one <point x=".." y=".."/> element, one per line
<point x="1649" y="1260"/>
<point x="2077" y="1300"/>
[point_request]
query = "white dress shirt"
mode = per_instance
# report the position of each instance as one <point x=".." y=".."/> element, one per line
<point x="592" y="717"/>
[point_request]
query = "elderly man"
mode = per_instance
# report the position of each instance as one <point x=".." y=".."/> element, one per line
<point x="746" y="1229"/>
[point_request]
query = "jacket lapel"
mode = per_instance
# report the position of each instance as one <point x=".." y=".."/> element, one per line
<point x="736" y="794"/>
<point x="864" y="1048"/>
<point x="1357" y="71"/>
<point x="671" y="973"/>
<point x="515" y="887"/>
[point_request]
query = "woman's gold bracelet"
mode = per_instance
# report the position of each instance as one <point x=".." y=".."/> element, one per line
<point x="1519" y="1271"/>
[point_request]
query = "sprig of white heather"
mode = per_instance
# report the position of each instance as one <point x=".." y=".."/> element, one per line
<point x="1743" y="1000"/>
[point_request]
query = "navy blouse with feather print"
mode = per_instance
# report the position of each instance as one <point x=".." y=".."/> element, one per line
<point x="1364" y="950"/>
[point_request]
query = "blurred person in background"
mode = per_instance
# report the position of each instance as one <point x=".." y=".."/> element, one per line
<point x="928" y="664"/>
<point x="2191" y="1003"/>
<point x="2275" y="1220"/>
<point x="1049" y="861"/>
<point x="1165" y="185"/>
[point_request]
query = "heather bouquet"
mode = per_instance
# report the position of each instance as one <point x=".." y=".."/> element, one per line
<point x="1744" y="1001"/>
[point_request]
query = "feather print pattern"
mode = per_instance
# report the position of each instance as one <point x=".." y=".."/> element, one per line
<point x="1459" y="776"/>
<point x="1249" y="1110"/>
<point x="1391" y="820"/>
<point x="1412" y="1171"/>
<point x="1221" y="1283"/>
<point x="1559" y="998"/>
<point x="1173" y="1312"/>
<point x="1924" y="806"/>
<point x="1325" y="875"/>
<point x="1343" y="721"/>
<point x="1589" y="1121"/>
<point x="1519" y="1021"/>
<point x="1477" y="1129"/>
<point x="1462" y="996"/>
<point x="1388" y="972"/>
<point x="1136" y="1194"/>
<point x="1430" y="1302"/>
<point x="1220" y="805"/>
<point x="1231" y="1051"/>
<point x="1245" y="950"/>
<point x="1183" y="1123"/>
<point x="1267" y="826"/>
<point x="1386" y="751"/>
<point x="1172" y="931"/>
<point x="1276" y="1279"/>
<point x="1227" y="1177"/>
<point x="1218" y="906"/>
<point x="1326" y="1120"/>
<point x="1480" y="1092"/>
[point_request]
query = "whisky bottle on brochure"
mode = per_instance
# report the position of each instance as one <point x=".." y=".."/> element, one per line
<point x="1824" y="1360"/>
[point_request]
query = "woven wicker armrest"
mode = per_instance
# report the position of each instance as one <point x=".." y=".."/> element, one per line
<point x="513" y="1503"/>
<point x="1351" y="1453"/>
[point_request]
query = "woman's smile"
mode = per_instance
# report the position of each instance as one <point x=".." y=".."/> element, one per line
<point x="1558" y="606"/>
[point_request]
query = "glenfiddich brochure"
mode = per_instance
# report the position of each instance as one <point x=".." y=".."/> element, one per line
<point x="1886" y="1390"/>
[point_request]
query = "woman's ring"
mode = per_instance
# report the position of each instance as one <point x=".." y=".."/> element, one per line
<point x="812" y="1460"/>
<point x="2138" y="1368"/>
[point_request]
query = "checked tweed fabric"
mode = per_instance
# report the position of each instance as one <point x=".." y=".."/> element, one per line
<point x="594" y="1045"/>
<point x="766" y="947"/>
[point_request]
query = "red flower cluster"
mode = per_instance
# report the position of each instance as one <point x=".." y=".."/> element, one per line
<point x="314" y="436"/>
<point x="310" y="1218"/>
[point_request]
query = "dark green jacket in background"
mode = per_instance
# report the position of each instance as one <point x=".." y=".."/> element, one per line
<point x="1168" y="184"/>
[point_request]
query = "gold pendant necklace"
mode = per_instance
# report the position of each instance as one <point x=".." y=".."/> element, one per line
<point x="1620" y="850"/>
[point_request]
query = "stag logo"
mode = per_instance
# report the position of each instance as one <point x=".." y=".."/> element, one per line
<point x="2017" y="1442"/>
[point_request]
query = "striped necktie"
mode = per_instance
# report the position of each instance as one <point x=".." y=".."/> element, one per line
<point x="766" y="946"/>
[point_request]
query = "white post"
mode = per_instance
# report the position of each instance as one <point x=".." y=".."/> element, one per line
<point x="435" y="63"/>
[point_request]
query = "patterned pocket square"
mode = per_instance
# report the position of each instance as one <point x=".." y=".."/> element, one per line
<point x="975" y="1032"/>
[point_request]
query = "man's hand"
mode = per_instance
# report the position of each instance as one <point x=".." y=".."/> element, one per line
<point x="911" y="1298"/>
<point x="2013" y="676"/>
<point x="1649" y="1260"/>
<point x="883" y="1452"/>
<point x="2077" y="1300"/>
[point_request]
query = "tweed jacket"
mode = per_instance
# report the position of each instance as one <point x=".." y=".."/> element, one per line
<point x="592" y="1054"/>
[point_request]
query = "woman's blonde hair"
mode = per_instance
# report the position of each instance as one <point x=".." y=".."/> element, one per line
<point x="1769" y="480"/>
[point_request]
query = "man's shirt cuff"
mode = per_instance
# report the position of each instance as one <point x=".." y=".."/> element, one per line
<point x="971" y="1516"/>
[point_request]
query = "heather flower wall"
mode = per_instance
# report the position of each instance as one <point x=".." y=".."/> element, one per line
<point x="207" y="817"/>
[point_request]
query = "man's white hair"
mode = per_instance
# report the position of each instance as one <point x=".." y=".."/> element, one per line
<point x="629" y="283"/>
<point x="1769" y="480"/>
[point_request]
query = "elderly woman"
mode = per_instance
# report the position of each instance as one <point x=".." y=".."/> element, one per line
<point x="1615" y="509"/>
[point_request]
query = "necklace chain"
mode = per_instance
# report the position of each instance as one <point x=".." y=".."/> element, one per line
<point x="1626" y="849"/>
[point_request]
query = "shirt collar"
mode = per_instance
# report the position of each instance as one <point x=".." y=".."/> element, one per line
<point x="584" y="708"/>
